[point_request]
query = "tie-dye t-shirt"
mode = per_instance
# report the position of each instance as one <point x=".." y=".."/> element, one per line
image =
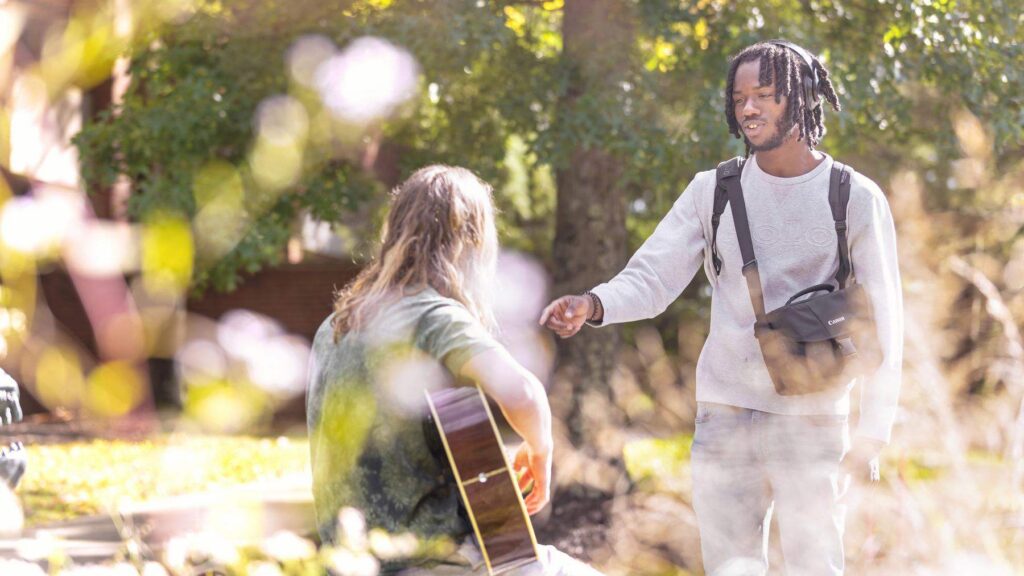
<point x="370" y="443"/>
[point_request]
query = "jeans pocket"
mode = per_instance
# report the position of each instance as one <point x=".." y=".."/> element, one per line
<point x="824" y="437"/>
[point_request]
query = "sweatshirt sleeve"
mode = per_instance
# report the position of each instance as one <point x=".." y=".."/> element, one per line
<point x="663" y="266"/>
<point x="873" y="252"/>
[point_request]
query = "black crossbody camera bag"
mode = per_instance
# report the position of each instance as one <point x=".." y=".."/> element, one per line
<point x="823" y="341"/>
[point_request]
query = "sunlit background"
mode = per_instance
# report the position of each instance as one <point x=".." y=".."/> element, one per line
<point x="186" y="182"/>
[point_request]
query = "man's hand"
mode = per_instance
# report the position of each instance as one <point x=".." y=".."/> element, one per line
<point x="10" y="405"/>
<point x="534" y="467"/>
<point x="566" y="315"/>
<point x="861" y="462"/>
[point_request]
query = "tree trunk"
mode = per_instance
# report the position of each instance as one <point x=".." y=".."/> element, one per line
<point x="590" y="238"/>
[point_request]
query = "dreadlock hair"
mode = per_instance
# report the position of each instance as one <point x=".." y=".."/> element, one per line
<point x="780" y="66"/>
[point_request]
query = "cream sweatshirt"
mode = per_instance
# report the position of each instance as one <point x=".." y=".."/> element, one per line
<point x="795" y="243"/>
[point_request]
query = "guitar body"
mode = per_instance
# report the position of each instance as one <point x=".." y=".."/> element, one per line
<point x="485" y="477"/>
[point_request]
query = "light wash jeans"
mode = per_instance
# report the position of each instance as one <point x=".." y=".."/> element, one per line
<point x="467" y="561"/>
<point x="747" y="462"/>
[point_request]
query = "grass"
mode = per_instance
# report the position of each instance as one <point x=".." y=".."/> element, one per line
<point x="64" y="481"/>
<point x="660" y="463"/>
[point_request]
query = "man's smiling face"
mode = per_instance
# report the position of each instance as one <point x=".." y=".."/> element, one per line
<point x="762" y="119"/>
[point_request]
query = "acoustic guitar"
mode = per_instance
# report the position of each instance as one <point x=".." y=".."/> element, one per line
<point x="485" y="477"/>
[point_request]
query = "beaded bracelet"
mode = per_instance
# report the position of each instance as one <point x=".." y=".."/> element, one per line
<point x="596" y="306"/>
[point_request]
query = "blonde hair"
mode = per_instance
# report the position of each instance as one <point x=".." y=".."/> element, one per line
<point x="439" y="233"/>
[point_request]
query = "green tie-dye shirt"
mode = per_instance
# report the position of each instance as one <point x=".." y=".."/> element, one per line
<point x="365" y="408"/>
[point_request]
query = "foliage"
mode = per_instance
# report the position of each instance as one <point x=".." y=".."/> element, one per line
<point x="191" y="103"/>
<point x="491" y="79"/>
<point x="663" y="462"/>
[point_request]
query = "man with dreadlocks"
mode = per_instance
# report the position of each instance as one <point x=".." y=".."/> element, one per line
<point x="755" y="451"/>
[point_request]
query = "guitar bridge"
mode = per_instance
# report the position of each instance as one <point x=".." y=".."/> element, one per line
<point x="484" y="476"/>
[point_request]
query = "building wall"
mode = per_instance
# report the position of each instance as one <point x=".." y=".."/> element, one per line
<point x="298" y="296"/>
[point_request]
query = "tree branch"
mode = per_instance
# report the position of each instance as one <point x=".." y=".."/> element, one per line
<point x="996" y="306"/>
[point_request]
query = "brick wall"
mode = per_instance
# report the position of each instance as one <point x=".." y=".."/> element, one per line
<point x="299" y="296"/>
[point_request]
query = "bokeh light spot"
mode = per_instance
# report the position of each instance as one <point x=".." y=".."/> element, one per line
<point x="101" y="248"/>
<point x="367" y="80"/>
<point x="275" y="166"/>
<point x="167" y="255"/>
<point x="221" y="220"/>
<point x="282" y="120"/>
<point x="225" y="407"/>
<point x="306" y="54"/>
<point x="59" y="378"/>
<point x="113" y="389"/>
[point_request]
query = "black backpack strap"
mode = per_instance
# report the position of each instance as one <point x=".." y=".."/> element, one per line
<point x="731" y="181"/>
<point x="732" y="166"/>
<point x="838" y="199"/>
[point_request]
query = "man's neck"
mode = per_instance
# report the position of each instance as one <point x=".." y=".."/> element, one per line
<point x="793" y="158"/>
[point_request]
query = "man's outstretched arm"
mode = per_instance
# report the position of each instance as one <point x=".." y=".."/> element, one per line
<point x="654" y="277"/>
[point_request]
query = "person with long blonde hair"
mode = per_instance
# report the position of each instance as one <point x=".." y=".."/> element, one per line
<point x="416" y="318"/>
<point x="439" y="234"/>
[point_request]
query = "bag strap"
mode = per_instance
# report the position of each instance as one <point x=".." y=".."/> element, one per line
<point x="729" y="191"/>
<point x="730" y="179"/>
<point x="734" y="165"/>
<point x="838" y="199"/>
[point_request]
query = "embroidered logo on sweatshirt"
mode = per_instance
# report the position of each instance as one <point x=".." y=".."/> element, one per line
<point x="794" y="233"/>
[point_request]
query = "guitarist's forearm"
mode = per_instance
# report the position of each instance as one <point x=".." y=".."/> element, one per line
<point x="518" y="393"/>
<point x="532" y="419"/>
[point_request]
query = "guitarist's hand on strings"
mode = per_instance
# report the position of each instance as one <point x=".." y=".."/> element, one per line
<point x="524" y="402"/>
<point x="534" y="468"/>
